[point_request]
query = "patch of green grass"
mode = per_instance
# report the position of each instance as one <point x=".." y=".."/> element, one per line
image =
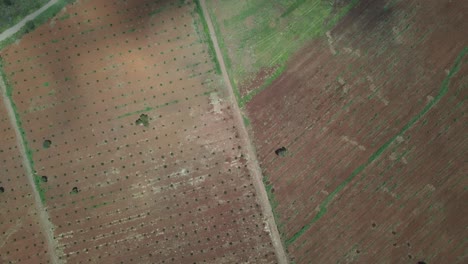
<point x="246" y="120"/>
<point x="147" y="109"/>
<point x="273" y="202"/>
<point x="263" y="35"/>
<point x="64" y="17"/>
<point x="99" y="205"/>
<point x="40" y="189"/>
<point x="159" y="10"/>
<point x="36" y="22"/>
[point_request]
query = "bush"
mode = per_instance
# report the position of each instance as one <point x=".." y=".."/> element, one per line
<point x="29" y="26"/>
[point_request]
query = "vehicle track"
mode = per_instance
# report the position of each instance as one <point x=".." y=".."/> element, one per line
<point x="252" y="160"/>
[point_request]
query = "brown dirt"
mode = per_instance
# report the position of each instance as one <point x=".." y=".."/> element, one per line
<point x="251" y="159"/>
<point x="176" y="191"/>
<point x="339" y="198"/>
<point x="20" y="230"/>
<point x="251" y="84"/>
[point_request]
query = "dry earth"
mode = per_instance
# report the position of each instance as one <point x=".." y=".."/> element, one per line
<point x="373" y="119"/>
<point x="145" y="163"/>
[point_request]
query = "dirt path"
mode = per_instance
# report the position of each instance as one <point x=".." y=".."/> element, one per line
<point x="7" y="33"/>
<point x="252" y="159"/>
<point x="44" y="222"/>
<point x="46" y="225"/>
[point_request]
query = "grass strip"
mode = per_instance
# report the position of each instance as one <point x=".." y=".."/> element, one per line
<point x="274" y="204"/>
<point x="29" y="152"/>
<point x="224" y="53"/>
<point x="147" y="109"/>
<point x="205" y="36"/>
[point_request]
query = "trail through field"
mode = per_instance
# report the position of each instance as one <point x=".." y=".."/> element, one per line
<point x="43" y="214"/>
<point x="252" y="160"/>
<point x="9" y="32"/>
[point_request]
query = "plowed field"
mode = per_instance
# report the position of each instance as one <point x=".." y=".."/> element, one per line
<point x="20" y="230"/>
<point x="372" y="119"/>
<point x="126" y="116"/>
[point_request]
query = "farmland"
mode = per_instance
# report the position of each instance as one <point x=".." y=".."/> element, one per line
<point x="20" y="230"/>
<point x="124" y="114"/>
<point x="122" y="141"/>
<point x="361" y="137"/>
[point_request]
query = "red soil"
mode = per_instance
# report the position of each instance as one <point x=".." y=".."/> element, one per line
<point x="341" y="189"/>
<point x="176" y="191"/>
<point x="20" y="230"/>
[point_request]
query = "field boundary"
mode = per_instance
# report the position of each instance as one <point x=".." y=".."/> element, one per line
<point x="252" y="163"/>
<point x="28" y="163"/>
<point x="326" y="202"/>
<point x="7" y="37"/>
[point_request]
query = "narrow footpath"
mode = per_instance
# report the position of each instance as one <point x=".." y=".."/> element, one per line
<point x="252" y="162"/>
<point x="43" y="215"/>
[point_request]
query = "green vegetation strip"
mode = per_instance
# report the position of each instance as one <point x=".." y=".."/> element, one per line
<point x="36" y="22"/>
<point x="227" y="60"/>
<point x="99" y="205"/>
<point x="266" y="42"/>
<point x="29" y="153"/>
<point x="205" y="36"/>
<point x="274" y="204"/>
<point x="324" y="205"/>
<point x="147" y="109"/>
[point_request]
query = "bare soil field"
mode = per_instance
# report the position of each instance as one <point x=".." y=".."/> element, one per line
<point x="128" y="119"/>
<point x="372" y="120"/>
<point x="20" y="230"/>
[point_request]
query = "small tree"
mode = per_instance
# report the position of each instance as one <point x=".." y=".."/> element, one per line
<point x="30" y="26"/>
<point x="46" y="144"/>
<point x="8" y="2"/>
